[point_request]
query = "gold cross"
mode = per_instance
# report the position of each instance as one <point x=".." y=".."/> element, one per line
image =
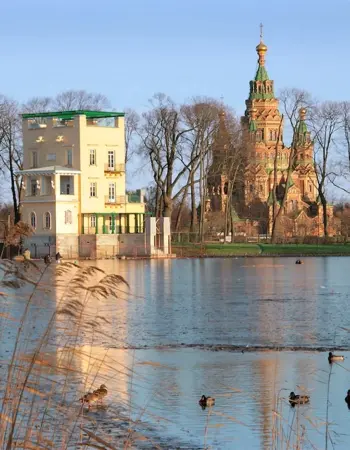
<point x="261" y="31"/>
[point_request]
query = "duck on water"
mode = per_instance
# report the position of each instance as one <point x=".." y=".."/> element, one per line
<point x="298" y="399"/>
<point x="94" y="397"/>
<point x="347" y="398"/>
<point x="206" y="401"/>
<point x="333" y="358"/>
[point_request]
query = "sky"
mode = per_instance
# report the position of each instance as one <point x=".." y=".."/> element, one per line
<point x="129" y="50"/>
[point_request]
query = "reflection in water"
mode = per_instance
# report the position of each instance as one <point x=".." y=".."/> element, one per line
<point x="245" y="387"/>
<point x="177" y="303"/>
<point x="254" y="301"/>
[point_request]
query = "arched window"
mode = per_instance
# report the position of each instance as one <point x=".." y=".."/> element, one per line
<point x="310" y="188"/>
<point x="47" y="221"/>
<point x="33" y="220"/>
<point x="68" y="217"/>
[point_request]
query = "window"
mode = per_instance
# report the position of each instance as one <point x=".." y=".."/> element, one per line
<point x="66" y="185"/>
<point x="69" y="157"/>
<point x="260" y="135"/>
<point x="93" y="221"/>
<point x="111" y="159"/>
<point x="51" y="157"/>
<point x="33" y="220"/>
<point x="47" y="221"/>
<point x="33" y="187"/>
<point x="92" y="157"/>
<point x="34" y="159"/>
<point x="111" y="192"/>
<point x="93" y="189"/>
<point x="310" y="188"/>
<point x="68" y="217"/>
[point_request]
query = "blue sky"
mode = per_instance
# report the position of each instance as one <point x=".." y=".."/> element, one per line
<point x="131" y="49"/>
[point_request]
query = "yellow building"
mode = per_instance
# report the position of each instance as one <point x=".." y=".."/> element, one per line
<point x="74" y="180"/>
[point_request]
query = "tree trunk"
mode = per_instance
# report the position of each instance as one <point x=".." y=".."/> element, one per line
<point x="167" y="205"/>
<point x="275" y="216"/>
<point x="179" y="213"/>
<point x="17" y="216"/>
<point x="324" y="214"/>
<point x="193" y="206"/>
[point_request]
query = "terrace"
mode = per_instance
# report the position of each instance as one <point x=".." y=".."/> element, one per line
<point x="60" y="119"/>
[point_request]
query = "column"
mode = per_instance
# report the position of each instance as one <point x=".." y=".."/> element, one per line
<point x="127" y="223"/>
<point x="136" y="220"/>
<point x="82" y="223"/>
<point x="113" y="223"/>
<point x="104" y="224"/>
<point x="96" y="229"/>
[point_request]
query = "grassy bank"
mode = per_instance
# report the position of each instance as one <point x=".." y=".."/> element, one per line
<point x="217" y="249"/>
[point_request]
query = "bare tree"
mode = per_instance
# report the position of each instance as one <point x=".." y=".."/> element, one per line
<point x="11" y="149"/>
<point x="327" y="123"/>
<point x="78" y="100"/>
<point x="164" y="141"/>
<point x="345" y="113"/>
<point x="132" y="124"/>
<point x="202" y="118"/>
<point x="233" y="168"/>
<point x="37" y="105"/>
<point x="292" y="100"/>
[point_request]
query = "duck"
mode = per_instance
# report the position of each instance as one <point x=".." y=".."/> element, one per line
<point x="299" y="261"/>
<point x="347" y="398"/>
<point x="206" y="401"/>
<point x="298" y="399"/>
<point x="101" y="392"/>
<point x="333" y="358"/>
<point x="90" y="398"/>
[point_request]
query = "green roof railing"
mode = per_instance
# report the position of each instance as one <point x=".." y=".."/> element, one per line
<point x="69" y="115"/>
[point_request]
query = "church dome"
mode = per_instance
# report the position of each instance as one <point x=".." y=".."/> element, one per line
<point x="261" y="47"/>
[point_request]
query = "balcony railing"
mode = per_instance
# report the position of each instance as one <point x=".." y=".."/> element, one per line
<point x="116" y="168"/>
<point x="117" y="200"/>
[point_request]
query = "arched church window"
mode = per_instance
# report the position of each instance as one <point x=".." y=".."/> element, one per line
<point x="310" y="188"/>
<point x="251" y="188"/>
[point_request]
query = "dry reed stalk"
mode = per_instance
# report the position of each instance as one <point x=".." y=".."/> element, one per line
<point x="73" y="310"/>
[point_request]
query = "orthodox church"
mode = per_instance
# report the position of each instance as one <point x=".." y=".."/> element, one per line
<point x="265" y="171"/>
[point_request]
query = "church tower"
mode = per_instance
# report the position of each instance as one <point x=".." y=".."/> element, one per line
<point x="267" y="154"/>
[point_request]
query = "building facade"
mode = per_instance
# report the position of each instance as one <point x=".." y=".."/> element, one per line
<point x="267" y="161"/>
<point x="74" y="180"/>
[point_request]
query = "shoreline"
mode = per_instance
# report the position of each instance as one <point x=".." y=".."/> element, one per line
<point x="235" y="348"/>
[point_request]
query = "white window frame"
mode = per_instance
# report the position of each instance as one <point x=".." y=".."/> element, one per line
<point x="92" y="157"/>
<point x="68" y="218"/>
<point x="111" y="159"/>
<point x="69" y="156"/>
<point x="93" y="189"/>
<point x="34" y="159"/>
<point x="111" y="192"/>
<point x="47" y="220"/>
<point x="92" y="221"/>
<point x="32" y="222"/>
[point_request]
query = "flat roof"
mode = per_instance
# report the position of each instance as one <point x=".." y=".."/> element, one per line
<point x="49" y="170"/>
<point x="67" y="115"/>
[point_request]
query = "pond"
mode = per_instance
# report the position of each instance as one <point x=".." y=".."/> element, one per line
<point x="246" y="331"/>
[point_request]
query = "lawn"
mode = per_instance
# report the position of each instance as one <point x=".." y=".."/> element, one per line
<point x="217" y="249"/>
